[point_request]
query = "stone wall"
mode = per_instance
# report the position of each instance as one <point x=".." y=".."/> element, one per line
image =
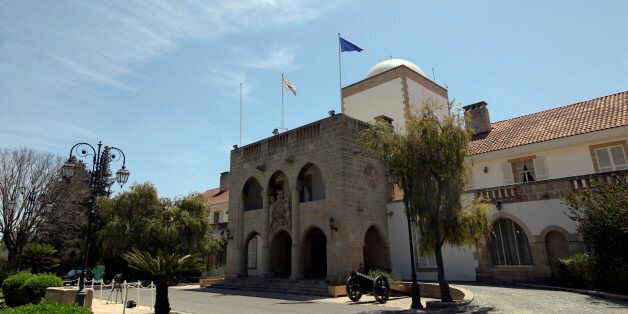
<point x="355" y="195"/>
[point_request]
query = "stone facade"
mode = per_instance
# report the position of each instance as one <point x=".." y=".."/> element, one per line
<point x="308" y="176"/>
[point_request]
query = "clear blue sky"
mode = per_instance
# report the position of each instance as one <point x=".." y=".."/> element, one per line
<point x="159" y="79"/>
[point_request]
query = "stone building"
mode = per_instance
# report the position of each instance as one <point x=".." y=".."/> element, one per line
<point x="286" y="189"/>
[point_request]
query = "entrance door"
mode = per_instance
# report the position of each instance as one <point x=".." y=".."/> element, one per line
<point x="282" y="255"/>
<point x="315" y="254"/>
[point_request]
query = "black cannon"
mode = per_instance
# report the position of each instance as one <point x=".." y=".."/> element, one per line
<point x="359" y="283"/>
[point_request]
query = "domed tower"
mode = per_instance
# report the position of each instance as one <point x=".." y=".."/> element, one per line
<point x="392" y="89"/>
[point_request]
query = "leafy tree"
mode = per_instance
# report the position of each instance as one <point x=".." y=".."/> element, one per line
<point x="162" y="268"/>
<point x="601" y="216"/>
<point x="428" y="159"/>
<point x="40" y="257"/>
<point x="64" y="226"/>
<point x="140" y="219"/>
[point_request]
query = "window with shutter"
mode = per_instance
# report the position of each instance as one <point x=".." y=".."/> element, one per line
<point x="611" y="158"/>
<point x="507" y="174"/>
<point x="619" y="157"/>
<point x="540" y="168"/>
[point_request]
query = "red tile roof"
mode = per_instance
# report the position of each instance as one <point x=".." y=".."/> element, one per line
<point x="214" y="196"/>
<point x="584" y="117"/>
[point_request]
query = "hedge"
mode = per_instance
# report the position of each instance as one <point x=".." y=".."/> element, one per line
<point x="48" y="307"/>
<point x="24" y="288"/>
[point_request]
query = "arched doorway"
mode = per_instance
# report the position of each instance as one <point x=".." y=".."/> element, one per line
<point x="252" y="194"/>
<point x="253" y="255"/>
<point x="315" y="254"/>
<point x="557" y="247"/>
<point x="281" y="254"/>
<point x="375" y="253"/>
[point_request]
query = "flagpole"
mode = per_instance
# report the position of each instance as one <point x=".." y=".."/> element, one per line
<point x="282" y="106"/>
<point x="339" y="72"/>
<point x="240" y="114"/>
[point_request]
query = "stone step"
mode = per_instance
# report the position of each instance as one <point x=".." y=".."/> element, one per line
<point x="307" y="287"/>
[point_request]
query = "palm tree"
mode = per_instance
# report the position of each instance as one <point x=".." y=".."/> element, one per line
<point x="39" y="257"/>
<point x="162" y="268"/>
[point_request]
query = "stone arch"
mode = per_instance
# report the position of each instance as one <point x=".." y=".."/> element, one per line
<point x="252" y="194"/>
<point x="375" y="252"/>
<point x="281" y="254"/>
<point x="310" y="183"/>
<point x="509" y="244"/>
<point x="278" y="182"/>
<point x="556" y="240"/>
<point x="314" y="253"/>
<point x="252" y="254"/>
<point x="501" y="214"/>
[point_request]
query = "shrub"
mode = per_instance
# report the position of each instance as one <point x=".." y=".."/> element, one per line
<point x="48" y="307"/>
<point x="216" y="271"/>
<point x="576" y="271"/>
<point x="4" y="269"/>
<point x="389" y="275"/>
<point x="601" y="216"/>
<point x="40" y="257"/>
<point x="24" y="288"/>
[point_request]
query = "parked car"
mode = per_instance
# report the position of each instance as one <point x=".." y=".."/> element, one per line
<point x="73" y="276"/>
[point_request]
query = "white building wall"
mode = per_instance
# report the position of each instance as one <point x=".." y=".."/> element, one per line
<point x="418" y="95"/>
<point x="384" y="99"/>
<point x="459" y="263"/>
<point x="537" y="215"/>
<point x="562" y="160"/>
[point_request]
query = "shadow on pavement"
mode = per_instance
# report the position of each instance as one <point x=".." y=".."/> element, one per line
<point x="259" y="294"/>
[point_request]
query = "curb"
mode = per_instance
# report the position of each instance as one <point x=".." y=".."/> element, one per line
<point x="468" y="298"/>
<point x="580" y="291"/>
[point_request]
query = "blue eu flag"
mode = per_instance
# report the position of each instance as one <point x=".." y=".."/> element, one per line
<point x="346" y="45"/>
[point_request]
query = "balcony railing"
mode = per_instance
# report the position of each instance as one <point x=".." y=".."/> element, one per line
<point x="548" y="189"/>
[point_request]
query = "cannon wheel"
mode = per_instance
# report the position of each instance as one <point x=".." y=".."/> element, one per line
<point x="353" y="289"/>
<point x="381" y="289"/>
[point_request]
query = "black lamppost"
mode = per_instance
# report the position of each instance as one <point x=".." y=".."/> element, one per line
<point x="98" y="170"/>
<point x="12" y="205"/>
<point x="414" y="287"/>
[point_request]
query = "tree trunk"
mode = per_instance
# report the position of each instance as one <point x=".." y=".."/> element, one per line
<point x="162" y="304"/>
<point x="445" y="296"/>
<point x="11" y="246"/>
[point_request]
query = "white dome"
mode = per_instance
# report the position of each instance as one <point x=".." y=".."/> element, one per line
<point x="393" y="63"/>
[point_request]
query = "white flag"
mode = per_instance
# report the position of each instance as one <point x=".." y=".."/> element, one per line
<point x="287" y="86"/>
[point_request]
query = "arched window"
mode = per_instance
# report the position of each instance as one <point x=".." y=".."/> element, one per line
<point x="509" y="244"/>
<point x="311" y="187"/>
<point x="252" y="194"/>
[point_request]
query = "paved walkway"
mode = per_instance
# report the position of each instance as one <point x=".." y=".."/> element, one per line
<point x="488" y="299"/>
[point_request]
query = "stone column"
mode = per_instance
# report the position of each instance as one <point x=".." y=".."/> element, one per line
<point x="266" y="266"/>
<point x="234" y="246"/>
<point x="239" y="238"/>
<point x="297" y="267"/>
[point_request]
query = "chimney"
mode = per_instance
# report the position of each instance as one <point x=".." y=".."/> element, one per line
<point x="479" y="121"/>
<point x="224" y="181"/>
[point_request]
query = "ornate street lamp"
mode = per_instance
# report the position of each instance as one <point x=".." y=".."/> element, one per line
<point x="98" y="163"/>
<point x="415" y="291"/>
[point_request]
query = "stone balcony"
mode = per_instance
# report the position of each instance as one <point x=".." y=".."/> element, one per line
<point x="547" y="189"/>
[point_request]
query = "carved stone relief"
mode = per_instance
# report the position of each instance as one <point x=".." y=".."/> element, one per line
<point x="280" y="213"/>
